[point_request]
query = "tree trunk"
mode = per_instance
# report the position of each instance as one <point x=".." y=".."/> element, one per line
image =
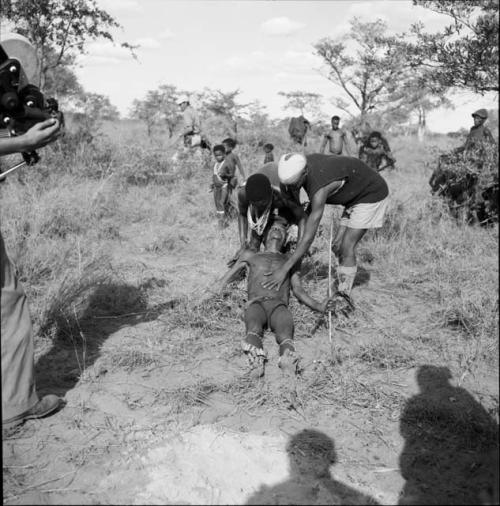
<point x="421" y="125"/>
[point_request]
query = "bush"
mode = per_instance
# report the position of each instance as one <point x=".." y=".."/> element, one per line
<point x="468" y="182"/>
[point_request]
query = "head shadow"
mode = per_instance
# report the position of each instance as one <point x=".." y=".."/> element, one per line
<point x="77" y="341"/>
<point x="450" y="455"/>
<point x="311" y="454"/>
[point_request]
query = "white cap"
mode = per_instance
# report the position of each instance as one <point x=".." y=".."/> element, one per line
<point x="19" y="47"/>
<point x="290" y="167"/>
<point x="182" y="99"/>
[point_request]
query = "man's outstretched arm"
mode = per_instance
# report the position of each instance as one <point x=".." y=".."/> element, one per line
<point x="241" y="262"/>
<point x="276" y="278"/>
<point x="303" y="297"/>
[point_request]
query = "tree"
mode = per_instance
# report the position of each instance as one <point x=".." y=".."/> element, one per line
<point x="414" y="96"/>
<point x="223" y="104"/>
<point x="465" y="54"/>
<point x="160" y="105"/>
<point x="303" y="101"/>
<point x="60" y="29"/>
<point x="368" y="77"/>
<point x="97" y="106"/>
<point x="61" y="82"/>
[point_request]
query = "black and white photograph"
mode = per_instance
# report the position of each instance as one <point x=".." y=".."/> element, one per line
<point x="249" y="252"/>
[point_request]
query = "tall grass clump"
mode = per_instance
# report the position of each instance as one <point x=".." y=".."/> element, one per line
<point x="424" y="251"/>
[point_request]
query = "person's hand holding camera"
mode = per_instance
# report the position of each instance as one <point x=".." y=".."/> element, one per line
<point x="38" y="136"/>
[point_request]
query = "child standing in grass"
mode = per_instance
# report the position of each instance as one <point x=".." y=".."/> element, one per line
<point x="268" y="150"/>
<point x="223" y="182"/>
<point x="232" y="159"/>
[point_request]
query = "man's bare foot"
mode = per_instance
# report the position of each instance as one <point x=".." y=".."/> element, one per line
<point x="289" y="363"/>
<point x="256" y="359"/>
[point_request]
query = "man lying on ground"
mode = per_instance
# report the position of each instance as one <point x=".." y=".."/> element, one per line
<point x="267" y="308"/>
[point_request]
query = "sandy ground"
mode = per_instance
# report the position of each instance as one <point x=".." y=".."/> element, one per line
<point x="138" y="431"/>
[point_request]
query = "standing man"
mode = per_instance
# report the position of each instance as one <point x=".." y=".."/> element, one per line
<point x="20" y="401"/>
<point x="191" y="130"/>
<point x="336" y="139"/>
<point x="479" y="133"/>
<point x="335" y="180"/>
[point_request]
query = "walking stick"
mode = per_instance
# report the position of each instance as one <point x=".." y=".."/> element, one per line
<point x="330" y="282"/>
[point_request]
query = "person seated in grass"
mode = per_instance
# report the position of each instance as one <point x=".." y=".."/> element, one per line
<point x="375" y="152"/>
<point x="223" y="182"/>
<point x="267" y="308"/>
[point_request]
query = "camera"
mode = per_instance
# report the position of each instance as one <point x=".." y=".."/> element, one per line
<point x="22" y="104"/>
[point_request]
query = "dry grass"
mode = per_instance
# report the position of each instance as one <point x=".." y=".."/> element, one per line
<point x="65" y="220"/>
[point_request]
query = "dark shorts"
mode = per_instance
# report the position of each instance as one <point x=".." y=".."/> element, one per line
<point x="269" y="305"/>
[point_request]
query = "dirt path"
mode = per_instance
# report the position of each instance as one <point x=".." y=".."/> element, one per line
<point x="159" y="409"/>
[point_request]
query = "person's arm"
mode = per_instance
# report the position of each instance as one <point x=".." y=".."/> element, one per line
<point x="488" y="136"/>
<point x="303" y="296"/>
<point x="242" y="216"/>
<point x="345" y="144"/>
<point x="241" y="262"/>
<point x="276" y="278"/>
<point x="323" y="144"/>
<point x="36" y="137"/>
<point x="240" y="167"/>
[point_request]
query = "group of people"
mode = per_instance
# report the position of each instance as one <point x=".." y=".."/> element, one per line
<point x="373" y="149"/>
<point x="271" y="216"/>
<point x="268" y="204"/>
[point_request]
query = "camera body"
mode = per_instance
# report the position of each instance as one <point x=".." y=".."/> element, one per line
<point x="22" y="105"/>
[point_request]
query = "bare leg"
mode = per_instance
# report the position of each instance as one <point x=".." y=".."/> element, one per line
<point x="347" y="269"/>
<point x="282" y="325"/>
<point x="255" y="321"/>
<point x="350" y="240"/>
<point x="337" y="240"/>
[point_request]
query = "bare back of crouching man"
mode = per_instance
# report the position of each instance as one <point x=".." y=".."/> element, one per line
<point x="267" y="308"/>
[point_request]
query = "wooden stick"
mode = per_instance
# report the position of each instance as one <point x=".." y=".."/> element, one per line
<point x="330" y="281"/>
<point x="3" y="175"/>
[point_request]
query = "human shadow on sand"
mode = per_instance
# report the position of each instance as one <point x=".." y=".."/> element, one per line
<point x="450" y="454"/>
<point x="310" y="453"/>
<point x="77" y="344"/>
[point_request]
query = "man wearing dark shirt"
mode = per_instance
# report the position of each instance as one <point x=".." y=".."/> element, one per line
<point x="335" y="180"/>
<point x="479" y="133"/>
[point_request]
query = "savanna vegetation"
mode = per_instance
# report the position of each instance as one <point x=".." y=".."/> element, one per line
<point x="118" y="248"/>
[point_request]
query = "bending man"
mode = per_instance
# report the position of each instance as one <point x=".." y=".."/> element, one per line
<point x="335" y="180"/>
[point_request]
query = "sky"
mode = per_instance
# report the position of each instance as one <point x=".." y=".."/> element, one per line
<point x="259" y="47"/>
